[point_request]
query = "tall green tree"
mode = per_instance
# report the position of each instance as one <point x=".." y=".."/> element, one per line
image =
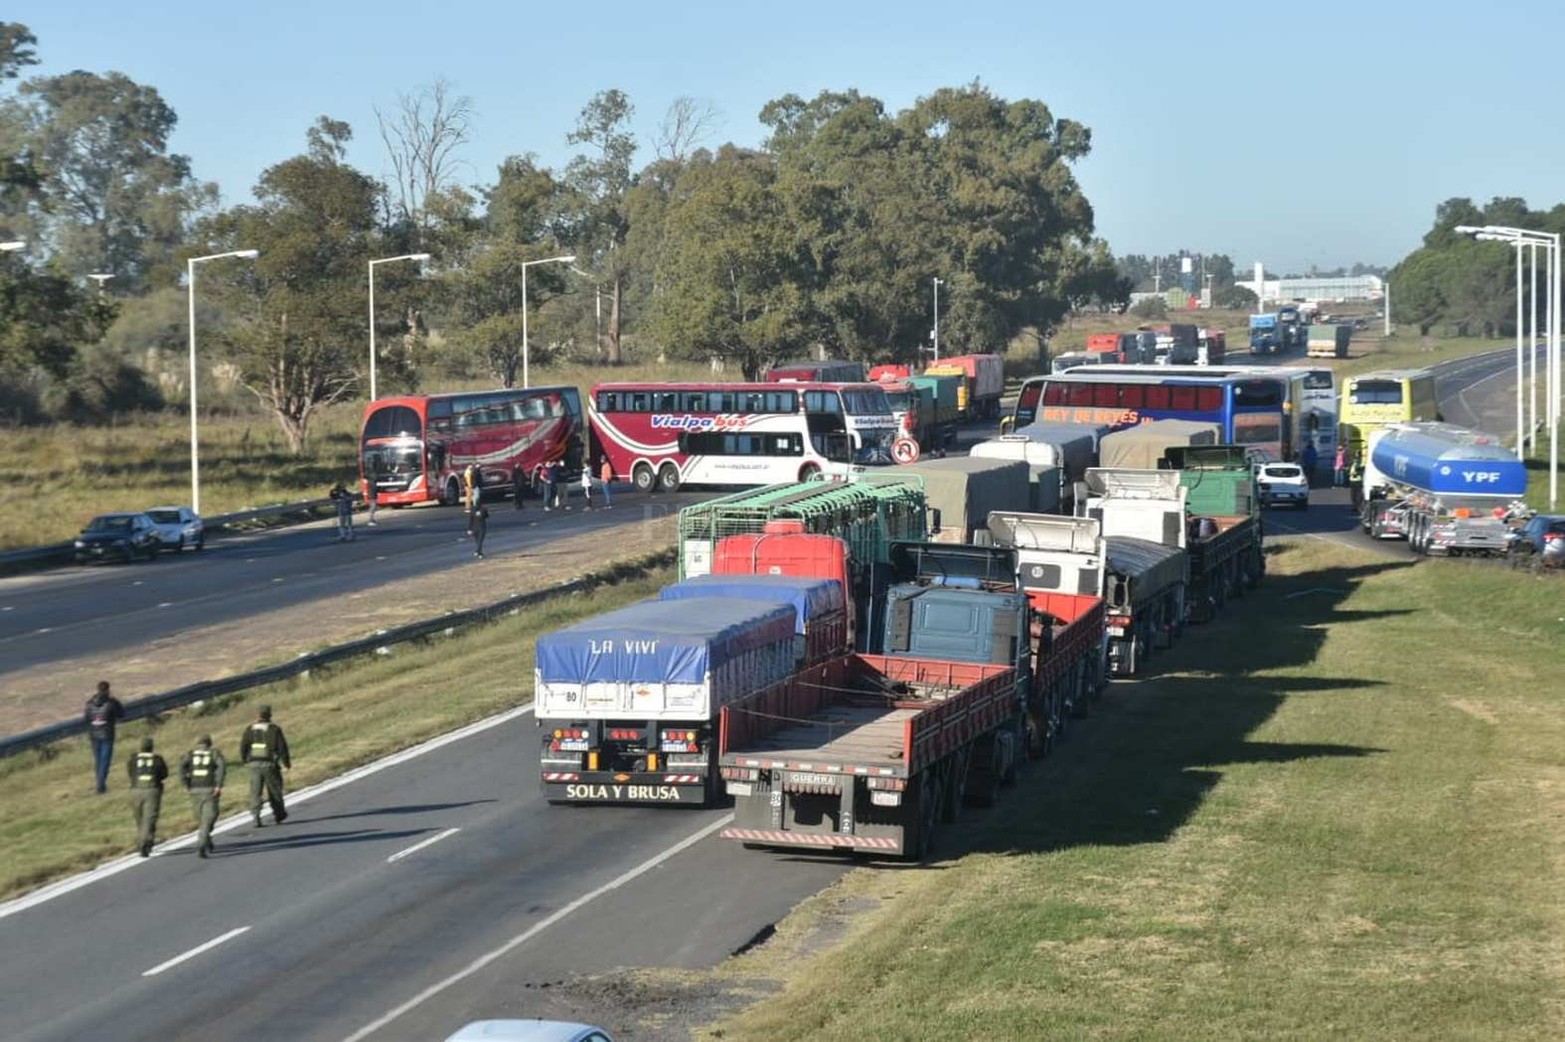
<point x="114" y="199"/>
<point x="731" y="276"/>
<point x="296" y="324"/>
<point x="599" y="179"/>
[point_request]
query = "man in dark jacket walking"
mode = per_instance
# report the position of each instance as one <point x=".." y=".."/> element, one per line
<point x="102" y="713"/>
<point x="265" y="749"/>
<point x="344" y="500"/>
<point x="147" y="773"/>
<point x="480" y="528"/>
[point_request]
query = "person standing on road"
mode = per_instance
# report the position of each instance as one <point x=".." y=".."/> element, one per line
<point x="518" y="485"/>
<point x="1309" y="458"/>
<point x="586" y="488"/>
<point x="102" y="713"/>
<point x="546" y="476"/>
<point x="344" y="500"/>
<point x="147" y="772"/>
<point x="557" y="482"/>
<point x="203" y="770"/>
<point x="606" y="475"/>
<point x="265" y="749"/>
<point x="1339" y="466"/>
<point x="480" y="529"/>
<point x="471" y="484"/>
<point x="372" y="486"/>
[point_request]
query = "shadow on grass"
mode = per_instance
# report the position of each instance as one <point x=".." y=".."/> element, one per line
<point x="1152" y="750"/>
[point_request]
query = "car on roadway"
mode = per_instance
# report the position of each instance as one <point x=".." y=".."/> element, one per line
<point x="117" y="537"/>
<point x="1283" y="483"/>
<point x="1542" y="537"/>
<point x="529" y="1031"/>
<point x="178" y="527"/>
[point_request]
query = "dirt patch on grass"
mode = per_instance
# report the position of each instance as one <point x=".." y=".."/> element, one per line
<point x="53" y="692"/>
<point x="1475" y="709"/>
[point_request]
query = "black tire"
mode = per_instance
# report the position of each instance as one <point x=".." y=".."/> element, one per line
<point x="928" y="818"/>
<point x="181" y="547"/>
<point x="809" y="472"/>
<point x="451" y="494"/>
<point x="668" y="478"/>
<point x="643" y="477"/>
<point x="200" y="543"/>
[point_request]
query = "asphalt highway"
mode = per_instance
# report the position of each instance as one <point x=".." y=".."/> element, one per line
<point x="56" y="615"/>
<point x="378" y="890"/>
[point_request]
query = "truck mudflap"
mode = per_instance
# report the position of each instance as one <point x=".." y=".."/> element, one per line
<point x="625" y="787"/>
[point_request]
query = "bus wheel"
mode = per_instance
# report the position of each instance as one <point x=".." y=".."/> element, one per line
<point x="453" y="493"/>
<point x="809" y="472"/>
<point x="641" y="474"/>
<point x="668" y="478"/>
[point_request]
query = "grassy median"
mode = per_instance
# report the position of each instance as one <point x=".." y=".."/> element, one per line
<point x="51" y="822"/>
<point x="1336" y="813"/>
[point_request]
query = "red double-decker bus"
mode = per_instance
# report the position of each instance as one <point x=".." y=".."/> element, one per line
<point x="419" y="445"/>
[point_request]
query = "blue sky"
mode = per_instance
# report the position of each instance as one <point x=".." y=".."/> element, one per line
<point x="1323" y="137"/>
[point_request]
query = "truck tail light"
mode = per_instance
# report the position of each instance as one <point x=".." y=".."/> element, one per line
<point x="625" y="734"/>
<point x="680" y="741"/>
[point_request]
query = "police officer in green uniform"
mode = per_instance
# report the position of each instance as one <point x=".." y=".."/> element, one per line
<point x="147" y="771"/>
<point x="203" y="770"/>
<point x="265" y="749"/>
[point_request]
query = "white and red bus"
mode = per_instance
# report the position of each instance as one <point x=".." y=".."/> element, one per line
<point x="666" y="435"/>
<point x="419" y="445"/>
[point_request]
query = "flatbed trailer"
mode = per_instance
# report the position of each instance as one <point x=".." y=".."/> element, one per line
<point x="1225" y="560"/>
<point x="868" y="754"/>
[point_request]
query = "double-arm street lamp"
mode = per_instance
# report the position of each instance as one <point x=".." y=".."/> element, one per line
<point x="383" y="260"/>
<point x="190" y="286"/>
<point x="1550" y="241"/>
<point x="566" y="259"/>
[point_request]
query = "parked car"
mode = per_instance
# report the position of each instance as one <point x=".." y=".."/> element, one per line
<point x="529" y="1031"/>
<point x="118" y="537"/>
<point x="178" y="527"/>
<point x="1541" y="538"/>
<point x="1283" y="483"/>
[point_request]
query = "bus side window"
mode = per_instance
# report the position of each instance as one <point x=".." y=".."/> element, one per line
<point x="640" y="401"/>
<point x="1155" y="397"/>
<point x="1078" y="394"/>
<point x="1182" y="397"/>
<point x="1209" y="399"/>
<point x="1105" y="396"/>
<point x="608" y="401"/>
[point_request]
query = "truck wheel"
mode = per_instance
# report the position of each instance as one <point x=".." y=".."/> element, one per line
<point x="987" y="792"/>
<point x="954" y="792"/>
<point x="641" y="474"/>
<point x="923" y="845"/>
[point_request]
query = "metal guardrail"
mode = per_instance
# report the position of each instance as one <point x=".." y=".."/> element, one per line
<point x="60" y="553"/>
<point x="152" y="705"/>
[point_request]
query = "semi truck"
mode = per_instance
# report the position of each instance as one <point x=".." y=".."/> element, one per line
<point x="1265" y="338"/>
<point x="960" y="491"/>
<point x="1440" y="486"/>
<point x="1328" y="341"/>
<point x="925" y="407"/>
<point x="983" y="382"/>
<point x="628" y="702"/>
<point x="1290" y="327"/>
<point x="1141" y="514"/>
<point x="1223" y="528"/>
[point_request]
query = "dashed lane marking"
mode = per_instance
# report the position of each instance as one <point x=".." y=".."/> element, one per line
<point x="415" y="848"/>
<point x="197" y="950"/>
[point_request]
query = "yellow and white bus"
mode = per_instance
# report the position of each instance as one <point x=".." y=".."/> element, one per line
<point x="1378" y="399"/>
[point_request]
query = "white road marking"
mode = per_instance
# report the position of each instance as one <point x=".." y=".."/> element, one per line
<point x="415" y="848"/>
<point x="522" y="938"/>
<point x="45" y="629"/>
<point x="113" y="868"/>
<point x="166" y="604"/>
<point x="277" y="580"/>
<point x="8" y="607"/>
<point x="197" y="950"/>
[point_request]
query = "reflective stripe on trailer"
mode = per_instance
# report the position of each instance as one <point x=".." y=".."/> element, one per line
<point x="809" y="839"/>
<point x="683" y="779"/>
<point x="561" y="776"/>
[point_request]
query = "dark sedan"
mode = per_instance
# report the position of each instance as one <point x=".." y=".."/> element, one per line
<point x="118" y="537"/>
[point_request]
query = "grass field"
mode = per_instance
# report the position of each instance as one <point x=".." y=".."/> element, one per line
<point x="1335" y="815"/>
<point x="51" y="822"/>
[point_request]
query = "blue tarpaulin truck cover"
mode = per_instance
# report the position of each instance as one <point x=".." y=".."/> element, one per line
<point x="654" y="642"/>
<point x="810" y="598"/>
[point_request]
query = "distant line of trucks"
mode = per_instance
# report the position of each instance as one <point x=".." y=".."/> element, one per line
<point x="851" y="663"/>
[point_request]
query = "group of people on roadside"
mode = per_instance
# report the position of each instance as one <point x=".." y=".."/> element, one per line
<point x="550" y="477"/>
<point x="202" y="771"/>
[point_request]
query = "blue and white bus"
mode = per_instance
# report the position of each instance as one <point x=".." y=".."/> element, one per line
<point x="1310" y="412"/>
<point x="1250" y="409"/>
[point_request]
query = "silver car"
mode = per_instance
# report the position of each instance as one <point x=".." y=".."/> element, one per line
<point x="529" y="1031"/>
<point x="178" y="527"/>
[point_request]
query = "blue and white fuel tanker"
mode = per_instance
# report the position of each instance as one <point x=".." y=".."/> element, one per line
<point x="628" y="701"/>
<point x="1442" y="487"/>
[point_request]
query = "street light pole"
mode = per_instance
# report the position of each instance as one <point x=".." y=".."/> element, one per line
<point x="100" y="278"/>
<point x="1532" y="350"/>
<point x="567" y="259"/>
<point x="1521" y="375"/>
<point x="937" y="319"/>
<point x="382" y="260"/>
<point x="190" y="287"/>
